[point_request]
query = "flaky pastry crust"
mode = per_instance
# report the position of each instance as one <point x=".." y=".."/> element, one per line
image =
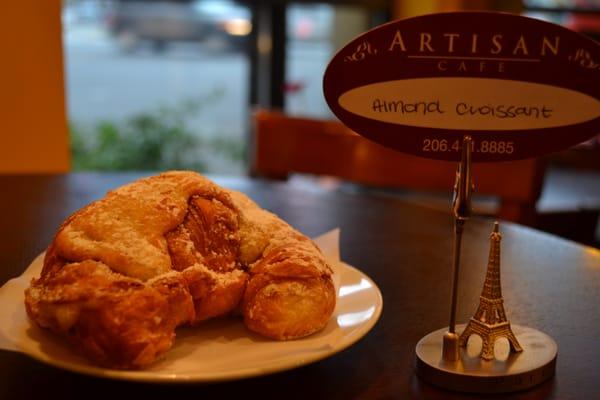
<point x="124" y="272"/>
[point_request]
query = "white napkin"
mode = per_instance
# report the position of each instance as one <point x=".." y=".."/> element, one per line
<point x="14" y="322"/>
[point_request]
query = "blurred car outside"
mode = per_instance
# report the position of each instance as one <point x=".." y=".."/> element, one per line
<point x="83" y="11"/>
<point x="216" y="23"/>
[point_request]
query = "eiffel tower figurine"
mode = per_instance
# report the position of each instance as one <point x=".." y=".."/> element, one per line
<point x="489" y="321"/>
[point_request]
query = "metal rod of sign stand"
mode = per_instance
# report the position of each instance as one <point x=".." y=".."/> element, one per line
<point x="461" y="207"/>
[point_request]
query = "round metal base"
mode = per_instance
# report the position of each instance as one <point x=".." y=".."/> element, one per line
<point x="508" y="372"/>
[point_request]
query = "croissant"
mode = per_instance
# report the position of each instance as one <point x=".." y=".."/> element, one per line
<point x="124" y="272"/>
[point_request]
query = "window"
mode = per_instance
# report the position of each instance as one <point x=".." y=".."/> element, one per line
<point x="315" y="32"/>
<point x="157" y="84"/>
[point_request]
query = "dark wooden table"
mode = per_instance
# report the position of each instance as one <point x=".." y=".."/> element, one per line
<point x="549" y="283"/>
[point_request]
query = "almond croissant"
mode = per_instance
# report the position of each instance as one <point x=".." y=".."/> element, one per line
<point x="123" y="272"/>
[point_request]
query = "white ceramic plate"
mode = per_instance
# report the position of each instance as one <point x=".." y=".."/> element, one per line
<point x="218" y="350"/>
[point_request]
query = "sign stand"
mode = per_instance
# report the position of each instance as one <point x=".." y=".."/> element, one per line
<point x="522" y="88"/>
<point x="450" y="360"/>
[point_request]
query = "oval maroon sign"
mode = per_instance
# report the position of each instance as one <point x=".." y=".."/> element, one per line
<point x="520" y="87"/>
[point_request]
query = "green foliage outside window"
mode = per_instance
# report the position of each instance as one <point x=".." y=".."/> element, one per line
<point x="156" y="140"/>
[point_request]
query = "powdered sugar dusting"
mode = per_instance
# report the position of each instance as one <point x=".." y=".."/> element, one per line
<point x="125" y="230"/>
<point x="262" y="232"/>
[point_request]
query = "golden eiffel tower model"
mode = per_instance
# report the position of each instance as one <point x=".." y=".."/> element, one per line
<point x="489" y="321"/>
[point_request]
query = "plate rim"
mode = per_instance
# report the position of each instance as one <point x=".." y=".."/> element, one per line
<point x="144" y="376"/>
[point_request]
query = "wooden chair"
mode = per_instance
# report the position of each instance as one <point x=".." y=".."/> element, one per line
<point x="282" y="145"/>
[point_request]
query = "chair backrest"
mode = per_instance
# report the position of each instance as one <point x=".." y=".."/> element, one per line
<point x="283" y="145"/>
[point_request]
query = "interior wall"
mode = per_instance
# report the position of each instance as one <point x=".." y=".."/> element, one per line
<point x="34" y="134"/>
